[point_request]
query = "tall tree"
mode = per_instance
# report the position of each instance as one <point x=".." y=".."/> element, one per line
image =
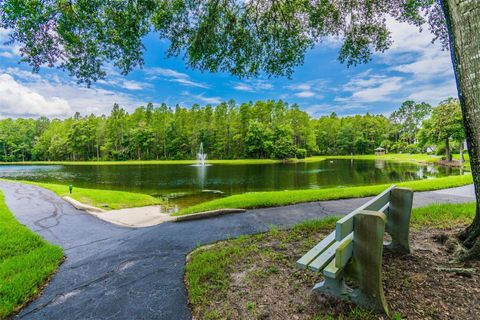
<point x="246" y="38"/>
<point x="444" y="126"/>
<point x="409" y="118"/>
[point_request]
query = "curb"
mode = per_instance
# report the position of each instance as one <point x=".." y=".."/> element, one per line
<point x="194" y="216"/>
<point x="82" y="206"/>
<point x="207" y="214"/>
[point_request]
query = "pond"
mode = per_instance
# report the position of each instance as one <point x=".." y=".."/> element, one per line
<point x="186" y="185"/>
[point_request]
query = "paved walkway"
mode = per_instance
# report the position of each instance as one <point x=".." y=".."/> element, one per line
<point x="114" y="272"/>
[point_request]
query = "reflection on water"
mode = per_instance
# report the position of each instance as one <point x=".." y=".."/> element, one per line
<point x="201" y="175"/>
<point x="184" y="184"/>
<point x="380" y="164"/>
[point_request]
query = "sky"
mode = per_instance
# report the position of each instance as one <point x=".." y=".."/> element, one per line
<point x="413" y="68"/>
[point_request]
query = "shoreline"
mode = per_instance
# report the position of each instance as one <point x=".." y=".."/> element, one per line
<point x="146" y="216"/>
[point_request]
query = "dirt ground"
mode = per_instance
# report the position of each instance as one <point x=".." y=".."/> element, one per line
<point x="265" y="284"/>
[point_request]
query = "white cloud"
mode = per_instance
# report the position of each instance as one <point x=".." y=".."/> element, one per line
<point x="301" y="86"/>
<point x="116" y="80"/>
<point x="174" y="76"/>
<point x="134" y="85"/>
<point x="317" y="110"/>
<point x="243" y="87"/>
<point x="166" y="73"/>
<point x="415" y="69"/>
<point x="309" y="89"/>
<point x="52" y="95"/>
<point x="19" y="100"/>
<point x="189" y="83"/>
<point x="434" y="93"/>
<point x="305" y="94"/>
<point x="368" y="88"/>
<point x="90" y="100"/>
<point x="6" y="54"/>
<point x="412" y="52"/>
<point x="11" y="51"/>
<point x="210" y="100"/>
<point x="4" y="35"/>
<point x="22" y="74"/>
<point x="201" y="97"/>
<point x="253" y="85"/>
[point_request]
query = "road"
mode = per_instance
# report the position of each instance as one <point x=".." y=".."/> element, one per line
<point x="113" y="272"/>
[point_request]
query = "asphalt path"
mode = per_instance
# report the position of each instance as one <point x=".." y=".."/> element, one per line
<point x="114" y="272"/>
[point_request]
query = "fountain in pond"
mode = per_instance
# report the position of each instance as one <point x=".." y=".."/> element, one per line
<point x="201" y="156"/>
<point x="202" y="171"/>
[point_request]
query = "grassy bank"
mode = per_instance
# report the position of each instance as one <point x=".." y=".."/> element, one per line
<point x="281" y="198"/>
<point x="253" y="276"/>
<point x="161" y="162"/>
<point x="105" y="199"/>
<point x="417" y="158"/>
<point x="26" y="262"/>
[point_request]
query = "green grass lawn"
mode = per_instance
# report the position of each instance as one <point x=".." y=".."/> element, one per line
<point x="209" y="270"/>
<point x="465" y="155"/>
<point x="466" y="164"/>
<point x="281" y="198"/>
<point x="105" y="199"/>
<point x="26" y="262"/>
<point x="444" y="215"/>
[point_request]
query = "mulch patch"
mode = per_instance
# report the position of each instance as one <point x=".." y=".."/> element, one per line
<point x="422" y="285"/>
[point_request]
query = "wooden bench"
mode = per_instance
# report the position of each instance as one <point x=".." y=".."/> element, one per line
<point x="355" y="248"/>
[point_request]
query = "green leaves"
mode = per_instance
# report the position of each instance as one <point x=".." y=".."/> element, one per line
<point x="244" y="38"/>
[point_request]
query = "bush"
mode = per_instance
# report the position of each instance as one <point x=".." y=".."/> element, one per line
<point x="412" y="148"/>
<point x="440" y="150"/>
<point x="301" y="153"/>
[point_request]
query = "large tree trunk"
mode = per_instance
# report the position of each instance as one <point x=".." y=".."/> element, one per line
<point x="448" y="154"/>
<point x="462" y="157"/>
<point x="463" y="21"/>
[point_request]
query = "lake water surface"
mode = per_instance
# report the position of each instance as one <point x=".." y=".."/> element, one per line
<point x="187" y="185"/>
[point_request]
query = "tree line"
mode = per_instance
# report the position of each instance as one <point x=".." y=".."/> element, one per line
<point x="263" y="129"/>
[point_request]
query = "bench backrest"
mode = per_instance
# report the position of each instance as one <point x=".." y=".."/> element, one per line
<point x="380" y="203"/>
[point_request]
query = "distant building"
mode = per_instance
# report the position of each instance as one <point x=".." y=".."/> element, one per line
<point x="379" y="151"/>
<point x="431" y="149"/>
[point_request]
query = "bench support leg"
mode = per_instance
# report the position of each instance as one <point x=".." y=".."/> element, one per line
<point x="367" y="260"/>
<point x="332" y="286"/>
<point x="398" y="221"/>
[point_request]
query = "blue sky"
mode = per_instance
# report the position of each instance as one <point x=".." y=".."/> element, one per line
<point x="412" y="69"/>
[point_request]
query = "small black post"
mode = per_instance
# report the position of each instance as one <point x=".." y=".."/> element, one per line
<point x="70" y="187"/>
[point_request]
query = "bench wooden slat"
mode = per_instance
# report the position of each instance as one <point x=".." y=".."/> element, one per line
<point x="320" y="247"/>
<point x="385" y="208"/>
<point x="344" y="226"/>
<point x="331" y="271"/>
<point x="323" y="259"/>
<point x="344" y="252"/>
